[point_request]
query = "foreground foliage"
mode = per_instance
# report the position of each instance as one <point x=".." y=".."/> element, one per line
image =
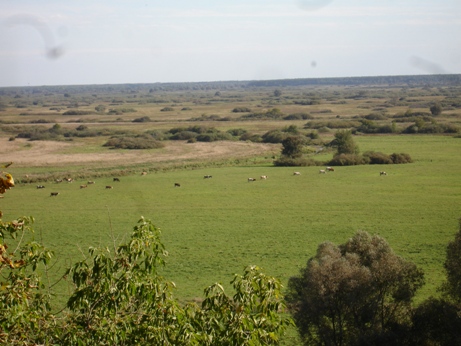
<point x="120" y="298"/>
<point x="356" y="293"/>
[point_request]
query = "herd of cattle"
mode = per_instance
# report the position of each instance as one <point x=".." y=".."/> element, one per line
<point x="262" y="177"/>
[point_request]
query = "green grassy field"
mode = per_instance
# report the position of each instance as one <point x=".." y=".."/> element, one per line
<point x="214" y="227"/>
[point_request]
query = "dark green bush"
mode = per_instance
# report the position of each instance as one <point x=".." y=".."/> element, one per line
<point x="337" y="124"/>
<point x="274" y="113"/>
<point x="375" y="116"/>
<point x="215" y="136"/>
<point x="376" y="158"/>
<point x="274" y="136"/>
<point x="237" y="132"/>
<point x="298" y="116"/>
<point x="285" y="161"/>
<point x="167" y="109"/>
<point x="347" y="160"/>
<point x="77" y="112"/>
<point x="400" y="158"/>
<point x="183" y="135"/>
<point x="241" y="110"/>
<point x="142" y="120"/>
<point x="138" y="142"/>
<point x="251" y="137"/>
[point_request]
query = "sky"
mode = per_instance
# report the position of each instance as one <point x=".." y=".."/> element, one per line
<point x="63" y="42"/>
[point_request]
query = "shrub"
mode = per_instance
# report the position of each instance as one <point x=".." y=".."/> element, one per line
<point x="251" y="137"/>
<point x="347" y="160"/>
<point x="285" y="161"/>
<point x="82" y="128"/>
<point x="241" y="110"/>
<point x="237" y="132"/>
<point x="400" y="158"/>
<point x="142" y="120"/>
<point x="138" y="142"/>
<point x="274" y="113"/>
<point x="157" y="134"/>
<point x="298" y="116"/>
<point x="377" y="158"/>
<point x="215" y="136"/>
<point x="167" y="109"/>
<point x="77" y="112"/>
<point x="274" y="136"/>
<point x="183" y="135"/>
<point x="375" y="116"/>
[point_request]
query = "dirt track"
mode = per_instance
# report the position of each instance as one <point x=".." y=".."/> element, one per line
<point x="49" y="153"/>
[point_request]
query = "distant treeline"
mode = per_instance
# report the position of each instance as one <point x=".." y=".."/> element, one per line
<point x="414" y="80"/>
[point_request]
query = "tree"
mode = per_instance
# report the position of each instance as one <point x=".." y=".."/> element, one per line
<point x="292" y="146"/>
<point x="344" y="143"/>
<point x="277" y="93"/>
<point x="436" y="109"/>
<point x="358" y="292"/>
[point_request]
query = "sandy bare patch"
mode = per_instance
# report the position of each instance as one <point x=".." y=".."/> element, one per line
<point x="44" y="153"/>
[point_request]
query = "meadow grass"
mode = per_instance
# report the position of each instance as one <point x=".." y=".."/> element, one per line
<point x="215" y="227"/>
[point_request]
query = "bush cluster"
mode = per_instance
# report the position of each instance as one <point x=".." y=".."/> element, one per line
<point x="199" y="133"/>
<point x="142" y="120"/>
<point x="298" y="116"/>
<point x="369" y="158"/>
<point x="241" y="110"/>
<point x="285" y="161"/>
<point x="77" y="112"/>
<point x="138" y="142"/>
<point x="339" y="124"/>
<point x="273" y="113"/>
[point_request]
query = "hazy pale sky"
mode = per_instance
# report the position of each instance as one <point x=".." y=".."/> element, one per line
<point x="59" y="42"/>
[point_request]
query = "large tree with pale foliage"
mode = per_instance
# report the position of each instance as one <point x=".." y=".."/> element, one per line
<point x="357" y="292"/>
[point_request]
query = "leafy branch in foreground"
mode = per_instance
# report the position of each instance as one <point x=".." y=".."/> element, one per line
<point x="120" y="298"/>
<point x="25" y="315"/>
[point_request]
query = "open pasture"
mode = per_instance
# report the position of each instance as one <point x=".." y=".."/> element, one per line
<point x="214" y="227"/>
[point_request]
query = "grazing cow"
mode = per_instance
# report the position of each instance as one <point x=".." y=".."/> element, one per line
<point x="322" y="171"/>
<point x="330" y="169"/>
<point x="382" y="173"/>
<point x="40" y="187"/>
<point x="207" y="177"/>
<point x="90" y="182"/>
<point x="69" y="180"/>
<point x="83" y="186"/>
<point x="263" y="177"/>
<point x="144" y="173"/>
<point x="58" y="180"/>
<point x="109" y="187"/>
<point x="251" y="179"/>
<point x="116" y="179"/>
<point x="177" y="185"/>
<point x="54" y="194"/>
<point x="296" y="173"/>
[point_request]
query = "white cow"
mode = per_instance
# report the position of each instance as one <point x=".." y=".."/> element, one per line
<point x="296" y="173"/>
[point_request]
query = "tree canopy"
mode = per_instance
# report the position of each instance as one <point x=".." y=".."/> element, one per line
<point x="353" y="293"/>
